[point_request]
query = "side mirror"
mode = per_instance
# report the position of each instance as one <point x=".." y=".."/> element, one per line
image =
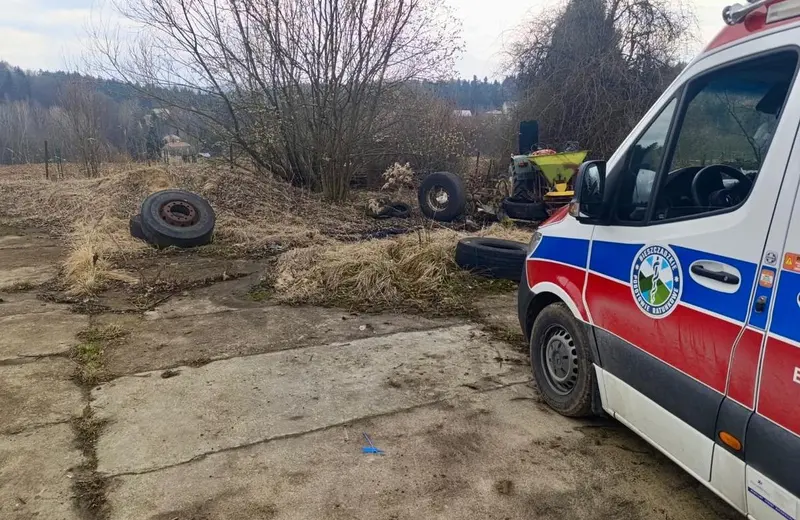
<point x="590" y="186"/>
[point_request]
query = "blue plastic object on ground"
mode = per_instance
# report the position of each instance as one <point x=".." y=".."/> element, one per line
<point x="371" y="448"/>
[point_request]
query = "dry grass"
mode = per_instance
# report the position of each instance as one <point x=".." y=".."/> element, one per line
<point x="415" y="271"/>
<point x="89" y="353"/>
<point x="88" y="268"/>
<point x="255" y="213"/>
<point x="91" y="214"/>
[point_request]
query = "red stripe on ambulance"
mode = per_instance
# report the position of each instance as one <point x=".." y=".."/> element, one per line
<point x="571" y="279"/>
<point x="742" y="383"/>
<point x="696" y="343"/>
<point x="779" y="394"/>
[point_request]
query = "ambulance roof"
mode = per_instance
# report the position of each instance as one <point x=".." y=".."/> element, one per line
<point x="755" y="23"/>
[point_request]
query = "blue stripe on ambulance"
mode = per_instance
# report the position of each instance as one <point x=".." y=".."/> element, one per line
<point x="615" y="261"/>
<point x="758" y="320"/>
<point x="570" y="251"/>
<point x="786" y="313"/>
<point x="733" y="306"/>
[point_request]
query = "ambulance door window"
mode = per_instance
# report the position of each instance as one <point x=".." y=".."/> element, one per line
<point x="644" y="160"/>
<point x="723" y="137"/>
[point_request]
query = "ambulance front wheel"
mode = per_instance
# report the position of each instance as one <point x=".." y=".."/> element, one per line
<point x="561" y="361"/>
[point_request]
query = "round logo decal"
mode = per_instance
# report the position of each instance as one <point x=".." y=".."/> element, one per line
<point x="656" y="280"/>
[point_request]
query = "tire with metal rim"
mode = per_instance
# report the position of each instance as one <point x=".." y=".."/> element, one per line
<point x="561" y="361"/>
<point x="442" y="196"/>
<point x="177" y="218"/>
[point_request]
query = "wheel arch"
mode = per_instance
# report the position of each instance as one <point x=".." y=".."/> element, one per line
<point x="544" y="294"/>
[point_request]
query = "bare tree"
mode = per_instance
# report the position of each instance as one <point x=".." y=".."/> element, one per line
<point x="294" y="84"/>
<point x="84" y="111"/>
<point x="593" y="67"/>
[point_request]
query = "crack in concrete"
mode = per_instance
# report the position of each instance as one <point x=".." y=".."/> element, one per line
<point x="313" y="430"/>
<point x="26" y="429"/>
<point x="25" y="359"/>
<point x="204" y="362"/>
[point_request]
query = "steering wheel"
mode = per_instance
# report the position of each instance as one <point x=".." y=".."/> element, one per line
<point x="725" y="197"/>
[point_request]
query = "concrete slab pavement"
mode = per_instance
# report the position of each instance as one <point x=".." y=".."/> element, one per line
<point x="40" y="334"/>
<point x="188" y="330"/>
<point x="36" y="474"/>
<point x="155" y="422"/>
<point x="489" y="455"/>
<point x="38" y="392"/>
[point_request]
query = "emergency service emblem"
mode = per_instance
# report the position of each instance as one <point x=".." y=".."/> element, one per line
<point x="656" y="280"/>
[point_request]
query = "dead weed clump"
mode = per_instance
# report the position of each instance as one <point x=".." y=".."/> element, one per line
<point x="88" y="267"/>
<point x="416" y="271"/>
<point x="57" y="206"/>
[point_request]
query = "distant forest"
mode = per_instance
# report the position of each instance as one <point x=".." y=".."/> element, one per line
<point x="46" y="88"/>
<point x="90" y="119"/>
<point x="43" y="87"/>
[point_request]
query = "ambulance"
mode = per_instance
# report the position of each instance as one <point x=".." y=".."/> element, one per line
<point x="667" y="294"/>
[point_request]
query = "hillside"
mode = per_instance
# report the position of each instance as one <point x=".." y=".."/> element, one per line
<point x="44" y="87"/>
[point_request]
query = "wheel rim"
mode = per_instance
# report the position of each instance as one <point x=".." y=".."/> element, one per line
<point x="179" y="213"/>
<point x="560" y="360"/>
<point x="438" y="198"/>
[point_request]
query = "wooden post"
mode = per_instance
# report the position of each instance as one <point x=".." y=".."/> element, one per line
<point x="46" y="162"/>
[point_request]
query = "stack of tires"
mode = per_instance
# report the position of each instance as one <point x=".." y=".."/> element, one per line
<point x="174" y="218"/>
<point x="443" y="197"/>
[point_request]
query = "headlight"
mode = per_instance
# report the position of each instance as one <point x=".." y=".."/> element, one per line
<point x="537" y="237"/>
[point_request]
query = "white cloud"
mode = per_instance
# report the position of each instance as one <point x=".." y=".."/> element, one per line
<point x="45" y="18"/>
<point x="25" y="48"/>
<point x="490" y="26"/>
<point x="34" y="36"/>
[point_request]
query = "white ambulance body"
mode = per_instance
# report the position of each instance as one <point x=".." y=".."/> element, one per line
<point x="668" y="295"/>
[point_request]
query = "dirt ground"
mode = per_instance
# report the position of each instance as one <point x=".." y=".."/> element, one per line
<point x="205" y="400"/>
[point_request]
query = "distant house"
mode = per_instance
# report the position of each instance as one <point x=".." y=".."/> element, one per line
<point x="176" y="150"/>
<point x="462" y="113"/>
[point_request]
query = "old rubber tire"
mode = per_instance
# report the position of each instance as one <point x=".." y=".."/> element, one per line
<point x="431" y="201"/>
<point x="525" y="210"/>
<point x="492" y="257"/>
<point x="399" y="210"/>
<point x="565" y="387"/>
<point x="164" y="228"/>
<point x="135" y="227"/>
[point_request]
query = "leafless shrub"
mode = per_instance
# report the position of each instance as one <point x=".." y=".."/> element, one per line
<point x="296" y="85"/>
<point x="593" y="67"/>
<point x="83" y="110"/>
<point x="416" y="127"/>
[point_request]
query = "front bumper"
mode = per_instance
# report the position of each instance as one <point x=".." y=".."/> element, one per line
<point x="524" y="298"/>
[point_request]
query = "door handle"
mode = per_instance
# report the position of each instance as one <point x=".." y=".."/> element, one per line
<point x="719" y="276"/>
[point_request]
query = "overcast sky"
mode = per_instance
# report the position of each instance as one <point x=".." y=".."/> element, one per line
<point x="50" y="34"/>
